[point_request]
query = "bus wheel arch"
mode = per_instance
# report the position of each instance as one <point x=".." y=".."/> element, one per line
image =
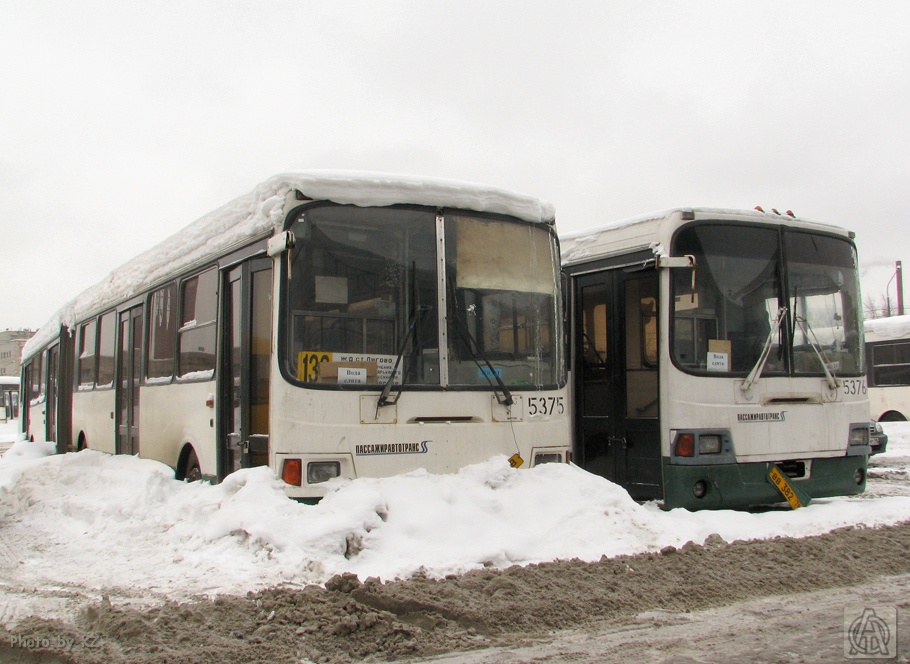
<point x="892" y="416"/>
<point x="188" y="468"/>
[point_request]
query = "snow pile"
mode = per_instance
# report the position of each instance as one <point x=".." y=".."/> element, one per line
<point x="96" y="521"/>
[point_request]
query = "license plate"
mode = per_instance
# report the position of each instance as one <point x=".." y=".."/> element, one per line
<point x="779" y="480"/>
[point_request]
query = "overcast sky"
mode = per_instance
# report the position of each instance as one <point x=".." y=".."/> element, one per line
<point x="122" y="121"/>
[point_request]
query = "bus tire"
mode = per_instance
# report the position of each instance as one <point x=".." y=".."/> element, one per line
<point x="892" y="416"/>
<point x="189" y="470"/>
<point x="81" y="444"/>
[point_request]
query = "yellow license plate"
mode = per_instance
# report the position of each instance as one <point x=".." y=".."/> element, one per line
<point x="783" y="485"/>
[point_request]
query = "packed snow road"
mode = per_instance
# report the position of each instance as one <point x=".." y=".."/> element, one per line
<point x="118" y="562"/>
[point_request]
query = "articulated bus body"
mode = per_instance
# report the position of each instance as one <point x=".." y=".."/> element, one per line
<point x="710" y="345"/>
<point x="327" y="325"/>
<point x="888" y="363"/>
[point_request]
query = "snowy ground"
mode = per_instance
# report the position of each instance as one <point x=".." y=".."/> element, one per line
<point x="76" y="526"/>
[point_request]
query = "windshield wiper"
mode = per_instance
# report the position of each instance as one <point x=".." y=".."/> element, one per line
<point x="490" y="373"/>
<point x="384" y="398"/>
<point x="754" y="375"/>
<point x="809" y="334"/>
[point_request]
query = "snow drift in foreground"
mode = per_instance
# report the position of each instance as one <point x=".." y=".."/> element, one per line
<point x="95" y="521"/>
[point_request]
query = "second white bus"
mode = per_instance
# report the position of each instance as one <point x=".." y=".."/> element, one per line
<point x="712" y="346"/>
<point x="888" y="363"/>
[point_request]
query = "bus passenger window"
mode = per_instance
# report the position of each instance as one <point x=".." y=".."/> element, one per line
<point x="890" y="364"/>
<point x="107" y="331"/>
<point x="37" y="382"/>
<point x="198" y="304"/>
<point x="87" y="355"/>
<point x="162" y="331"/>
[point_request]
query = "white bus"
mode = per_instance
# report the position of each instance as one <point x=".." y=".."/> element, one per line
<point x="888" y="368"/>
<point x="711" y="345"/>
<point x="326" y="324"/>
<point x="9" y="398"/>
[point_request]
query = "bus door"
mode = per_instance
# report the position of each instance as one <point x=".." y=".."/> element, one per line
<point x="52" y="368"/>
<point x="246" y="355"/>
<point x="129" y="371"/>
<point x="58" y="427"/>
<point x="617" y="379"/>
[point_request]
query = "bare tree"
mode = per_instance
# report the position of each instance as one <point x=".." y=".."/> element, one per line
<point x="869" y="310"/>
<point x="878" y="306"/>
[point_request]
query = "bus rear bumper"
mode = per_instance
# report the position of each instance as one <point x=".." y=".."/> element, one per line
<point x="747" y="484"/>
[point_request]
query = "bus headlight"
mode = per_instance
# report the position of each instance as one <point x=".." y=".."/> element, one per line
<point x="699" y="489"/>
<point x="322" y="471"/>
<point x="859" y="435"/>
<point x="709" y="444"/>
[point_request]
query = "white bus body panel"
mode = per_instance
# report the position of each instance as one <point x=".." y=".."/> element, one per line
<point x="894" y="399"/>
<point x="341" y="426"/>
<point x="93" y="416"/>
<point x="37" y="420"/>
<point x="173" y="415"/>
<point x="779" y="418"/>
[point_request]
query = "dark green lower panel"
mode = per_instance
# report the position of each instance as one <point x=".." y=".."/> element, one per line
<point x="746" y="484"/>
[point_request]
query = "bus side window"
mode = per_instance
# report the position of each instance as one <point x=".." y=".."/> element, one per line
<point x="890" y="364"/>
<point x="107" y="330"/>
<point x="36" y="387"/>
<point x="162" y="332"/>
<point x="198" y="306"/>
<point x="87" y="354"/>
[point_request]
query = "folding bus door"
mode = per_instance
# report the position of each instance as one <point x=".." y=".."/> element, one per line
<point x="129" y="371"/>
<point x="246" y="357"/>
<point x="617" y="379"/>
<point x="53" y="369"/>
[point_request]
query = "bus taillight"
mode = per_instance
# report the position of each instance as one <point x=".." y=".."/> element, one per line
<point x="685" y="445"/>
<point x="292" y="472"/>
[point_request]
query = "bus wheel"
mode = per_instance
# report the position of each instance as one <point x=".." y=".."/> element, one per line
<point x="892" y="416"/>
<point x="81" y="445"/>
<point x="192" y="472"/>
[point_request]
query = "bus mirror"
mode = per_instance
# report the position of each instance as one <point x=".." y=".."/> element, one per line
<point x="280" y="243"/>
<point x="679" y="261"/>
<point x="676" y="261"/>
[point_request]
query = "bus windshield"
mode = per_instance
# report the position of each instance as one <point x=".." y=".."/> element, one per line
<point x="794" y="291"/>
<point x="366" y="286"/>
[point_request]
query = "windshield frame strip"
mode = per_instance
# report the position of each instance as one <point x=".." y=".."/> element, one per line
<point x="441" y="301"/>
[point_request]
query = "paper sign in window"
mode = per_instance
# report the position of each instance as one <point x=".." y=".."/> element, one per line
<point x="352" y="376"/>
<point x="331" y="290"/>
<point x="718" y="355"/>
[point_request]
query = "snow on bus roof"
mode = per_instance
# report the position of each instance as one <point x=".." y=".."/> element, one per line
<point x="260" y="212"/>
<point x="580" y="245"/>
<point x="887" y="329"/>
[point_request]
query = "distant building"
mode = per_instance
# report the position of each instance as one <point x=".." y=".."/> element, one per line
<point x="11" y="343"/>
